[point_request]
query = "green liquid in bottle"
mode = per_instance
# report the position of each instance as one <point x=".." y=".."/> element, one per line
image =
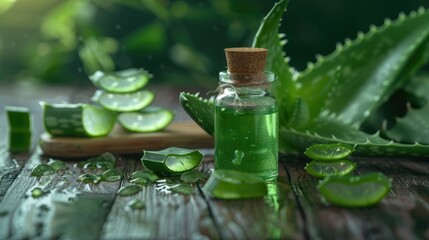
<point x="246" y="139"/>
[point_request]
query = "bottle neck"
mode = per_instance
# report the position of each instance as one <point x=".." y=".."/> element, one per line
<point x="263" y="79"/>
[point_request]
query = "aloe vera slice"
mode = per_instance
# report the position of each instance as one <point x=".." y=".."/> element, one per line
<point x="329" y="152"/>
<point x="231" y="184"/>
<point x="150" y="119"/>
<point x="125" y="81"/>
<point x="19" y="120"/>
<point x="355" y="191"/>
<point x="124" y="102"/>
<point x="77" y="120"/>
<point x="172" y="160"/>
<point x="323" y="169"/>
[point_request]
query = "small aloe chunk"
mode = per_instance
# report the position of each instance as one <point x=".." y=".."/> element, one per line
<point x="231" y="184"/>
<point x="19" y="120"/>
<point x="77" y="120"/>
<point x="172" y="160"/>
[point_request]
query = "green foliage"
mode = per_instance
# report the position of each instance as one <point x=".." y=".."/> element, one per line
<point x="64" y="41"/>
<point x="177" y="41"/>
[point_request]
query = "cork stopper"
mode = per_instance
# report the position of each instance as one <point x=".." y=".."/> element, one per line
<point x="246" y="64"/>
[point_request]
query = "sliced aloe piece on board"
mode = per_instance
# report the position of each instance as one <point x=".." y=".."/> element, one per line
<point x="150" y="119"/>
<point x="124" y="102"/>
<point x="172" y="160"/>
<point x="77" y="120"/>
<point x="231" y="184"/>
<point x="355" y="191"/>
<point x="125" y="81"/>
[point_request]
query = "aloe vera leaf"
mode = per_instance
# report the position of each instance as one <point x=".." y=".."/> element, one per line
<point x="334" y="84"/>
<point x="326" y="130"/>
<point x="330" y="130"/>
<point x="414" y="127"/>
<point x="418" y="88"/>
<point x="356" y="78"/>
<point x="268" y="37"/>
<point x="199" y="109"/>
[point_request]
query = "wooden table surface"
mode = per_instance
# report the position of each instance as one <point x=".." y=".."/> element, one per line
<point x="293" y="208"/>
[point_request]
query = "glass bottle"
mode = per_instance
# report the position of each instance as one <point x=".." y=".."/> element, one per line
<point x="246" y="124"/>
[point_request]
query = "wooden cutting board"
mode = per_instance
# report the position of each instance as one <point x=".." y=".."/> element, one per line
<point x="181" y="134"/>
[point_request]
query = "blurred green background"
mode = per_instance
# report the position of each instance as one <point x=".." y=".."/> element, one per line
<point x="180" y="42"/>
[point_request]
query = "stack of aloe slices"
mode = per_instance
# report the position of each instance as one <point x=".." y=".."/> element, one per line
<point x="120" y="97"/>
<point x="338" y="186"/>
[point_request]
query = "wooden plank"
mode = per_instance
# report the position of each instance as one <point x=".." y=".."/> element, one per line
<point x="405" y="211"/>
<point x="182" y="134"/>
<point x="272" y="217"/>
<point x="68" y="208"/>
<point x="166" y="215"/>
<point x="392" y="218"/>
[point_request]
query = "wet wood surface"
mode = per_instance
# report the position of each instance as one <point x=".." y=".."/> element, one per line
<point x="293" y="208"/>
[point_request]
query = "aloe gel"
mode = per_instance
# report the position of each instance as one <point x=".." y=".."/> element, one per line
<point x="246" y="123"/>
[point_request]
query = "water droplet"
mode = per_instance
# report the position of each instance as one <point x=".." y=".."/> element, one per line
<point x="194" y="176"/>
<point x="111" y="175"/>
<point x="140" y="181"/>
<point x="137" y="204"/>
<point x="186" y="189"/>
<point x="238" y="156"/>
<point x="41" y="170"/>
<point x="36" y="192"/>
<point x="57" y="165"/>
<point x="151" y="176"/>
<point x="129" y="190"/>
<point x="89" y="178"/>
